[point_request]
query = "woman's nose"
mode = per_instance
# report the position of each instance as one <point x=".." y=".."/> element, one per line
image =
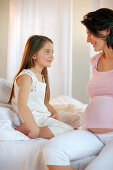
<point x="88" y="39"/>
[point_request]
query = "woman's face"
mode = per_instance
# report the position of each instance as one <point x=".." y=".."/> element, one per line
<point x="98" y="43"/>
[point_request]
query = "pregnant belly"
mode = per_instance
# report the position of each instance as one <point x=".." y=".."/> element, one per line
<point x="99" y="114"/>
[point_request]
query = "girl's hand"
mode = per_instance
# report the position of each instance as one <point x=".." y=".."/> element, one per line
<point x="34" y="133"/>
<point x="56" y="116"/>
<point x="23" y="129"/>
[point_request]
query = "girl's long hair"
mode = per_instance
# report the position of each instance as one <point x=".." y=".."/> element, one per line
<point x="33" y="45"/>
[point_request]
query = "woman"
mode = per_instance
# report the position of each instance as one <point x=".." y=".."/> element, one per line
<point x="98" y="136"/>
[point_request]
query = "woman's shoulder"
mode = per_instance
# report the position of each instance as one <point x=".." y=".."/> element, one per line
<point x="95" y="57"/>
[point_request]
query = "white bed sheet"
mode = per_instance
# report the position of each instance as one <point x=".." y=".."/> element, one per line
<point x="20" y="154"/>
<point x="27" y="155"/>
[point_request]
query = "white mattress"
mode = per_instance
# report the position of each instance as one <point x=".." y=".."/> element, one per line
<point x="22" y="155"/>
<point x="27" y="155"/>
<point x="19" y="153"/>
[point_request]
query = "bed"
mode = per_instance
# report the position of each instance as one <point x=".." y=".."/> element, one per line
<point x="19" y="152"/>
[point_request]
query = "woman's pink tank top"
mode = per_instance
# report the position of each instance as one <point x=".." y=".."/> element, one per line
<point x="99" y="112"/>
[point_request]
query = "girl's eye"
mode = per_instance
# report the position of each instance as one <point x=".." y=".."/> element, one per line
<point x="47" y="52"/>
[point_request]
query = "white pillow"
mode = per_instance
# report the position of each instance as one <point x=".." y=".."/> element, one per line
<point x="69" y="115"/>
<point x="67" y="112"/>
<point x="5" y="90"/>
<point x="63" y="99"/>
<point x="7" y="131"/>
<point x="71" y="110"/>
<point x="65" y="105"/>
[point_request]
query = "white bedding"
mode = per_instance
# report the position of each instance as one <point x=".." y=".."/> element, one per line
<point x="18" y="152"/>
<point x="22" y="155"/>
<point x="67" y="112"/>
<point x="27" y="155"/>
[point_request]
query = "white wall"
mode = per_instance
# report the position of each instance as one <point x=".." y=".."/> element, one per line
<point x="80" y="48"/>
<point x="4" y="19"/>
<point x="81" y="51"/>
<point x="80" y="61"/>
<point x="96" y="4"/>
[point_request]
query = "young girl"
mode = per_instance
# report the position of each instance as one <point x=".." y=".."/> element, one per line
<point x="30" y="95"/>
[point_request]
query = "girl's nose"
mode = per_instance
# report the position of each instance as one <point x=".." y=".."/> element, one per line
<point x="51" y="56"/>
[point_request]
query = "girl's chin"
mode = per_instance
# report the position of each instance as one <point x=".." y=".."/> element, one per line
<point x="48" y="65"/>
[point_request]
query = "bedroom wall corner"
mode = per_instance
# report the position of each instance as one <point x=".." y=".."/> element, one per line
<point x="4" y="21"/>
<point x="80" y="52"/>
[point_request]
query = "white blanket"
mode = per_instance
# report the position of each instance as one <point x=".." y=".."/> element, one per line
<point x="19" y="152"/>
<point x="22" y="155"/>
<point x="27" y="155"/>
<point x="7" y="131"/>
<point x="68" y="108"/>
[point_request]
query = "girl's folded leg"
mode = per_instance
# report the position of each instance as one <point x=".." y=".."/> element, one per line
<point x="75" y="145"/>
<point x="45" y="133"/>
<point x="23" y="129"/>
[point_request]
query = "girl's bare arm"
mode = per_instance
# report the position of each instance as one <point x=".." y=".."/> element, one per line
<point x="24" y="83"/>
<point x="52" y="110"/>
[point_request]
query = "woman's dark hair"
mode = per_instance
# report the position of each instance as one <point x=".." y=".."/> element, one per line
<point x="33" y="45"/>
<point x="100" y="20"/>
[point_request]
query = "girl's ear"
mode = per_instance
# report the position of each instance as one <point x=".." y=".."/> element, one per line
<point x="34" y="57"/>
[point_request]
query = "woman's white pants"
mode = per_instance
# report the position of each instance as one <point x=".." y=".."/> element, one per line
<point x="80" y="144"/>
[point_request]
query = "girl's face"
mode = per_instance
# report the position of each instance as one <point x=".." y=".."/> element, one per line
<point x="98" y="43"/>
<point x="44" y="56"/>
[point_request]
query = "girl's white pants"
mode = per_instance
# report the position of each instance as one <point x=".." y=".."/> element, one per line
<point x="80" y="144"/>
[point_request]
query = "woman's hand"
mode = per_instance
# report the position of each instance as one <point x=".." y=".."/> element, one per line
<point x="56" y="116"/>
<point x="34" y="133"/>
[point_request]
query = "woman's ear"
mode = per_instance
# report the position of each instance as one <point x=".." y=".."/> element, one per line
<point x="108" y="31"/>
